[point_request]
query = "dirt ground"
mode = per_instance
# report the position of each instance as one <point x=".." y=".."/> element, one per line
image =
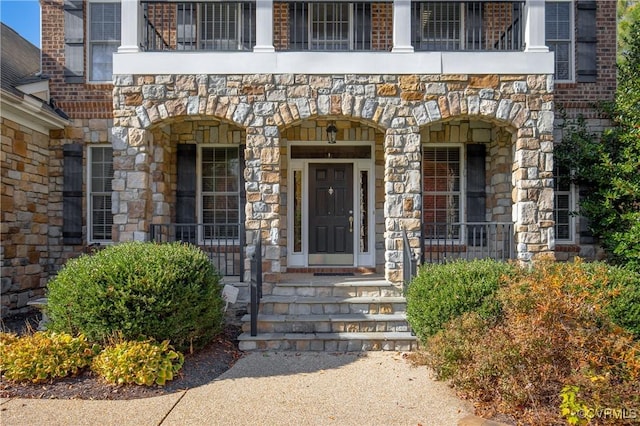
<point x="199" y="368"/>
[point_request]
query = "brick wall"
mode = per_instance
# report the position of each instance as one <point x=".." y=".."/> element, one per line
<point x="79" y="100"/>
<point x="579" y="98"/>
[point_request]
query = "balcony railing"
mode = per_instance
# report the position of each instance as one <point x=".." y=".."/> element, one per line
<point x="468" y="26"/>
<point x="224" y="244"/>
<point x="443" y="242"/>
<point x="332" y="26"/>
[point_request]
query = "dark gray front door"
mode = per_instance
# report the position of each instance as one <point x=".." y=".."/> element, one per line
<point x="331" y="214"/>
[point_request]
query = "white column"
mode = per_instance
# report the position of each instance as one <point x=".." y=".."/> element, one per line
<point x="402" y="26"/>
<point x="264" y="26"/>
<point x="130" y="25"/>
<point x="534" y="31"/>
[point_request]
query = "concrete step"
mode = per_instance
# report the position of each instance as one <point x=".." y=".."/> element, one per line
<point x="330" y="305"/>
<point x="360" y="288"/>
<point x="329" y="342"/>
<point x="338" y="323"/>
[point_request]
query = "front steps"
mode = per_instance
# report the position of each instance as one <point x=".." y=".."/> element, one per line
<point x="308" y="313"/>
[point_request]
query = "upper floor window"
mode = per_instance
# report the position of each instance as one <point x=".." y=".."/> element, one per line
<point x="104" y="39"/>
<point x="329" y="26"/>
<point x="559" y="30"/>
<point x="100" y="218"/>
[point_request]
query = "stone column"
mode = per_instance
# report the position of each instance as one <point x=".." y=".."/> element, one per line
<point x="403" y="197"/>
<point x="533" y="186"/>
<point x="262" y="182"/>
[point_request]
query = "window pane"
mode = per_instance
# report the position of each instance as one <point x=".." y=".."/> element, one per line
<point x="101" y="218"/>
<point x="220" y="190"/>
<point x="441" y="181"/>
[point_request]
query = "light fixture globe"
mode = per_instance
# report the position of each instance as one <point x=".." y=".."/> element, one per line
<point x="332" y="132"/>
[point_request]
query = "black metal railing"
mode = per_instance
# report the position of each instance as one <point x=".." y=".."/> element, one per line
<point x="200" y="25"/>
<point x="332" y="26"/>
<point x="223" y="243"/>
<point x="443" y="242"/>
<point x="467" y="26"/>
<point x="409" y="262"/>
<point x="255" y="283"/>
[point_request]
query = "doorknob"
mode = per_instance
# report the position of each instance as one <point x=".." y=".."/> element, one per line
<point x="350" y="223"/>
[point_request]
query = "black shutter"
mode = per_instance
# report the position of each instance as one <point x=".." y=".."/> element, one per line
<point x="243" y="190"/>
<point x="73" y="41"/>
<point x="476" y="195"/>
<point x="186" y="192"/>
<point x="72" y="194"/>
<point x="586" y="42"/>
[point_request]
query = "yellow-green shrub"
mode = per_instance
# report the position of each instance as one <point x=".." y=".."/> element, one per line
<point x="43" y="356"/>
<point x="142" y="363"/>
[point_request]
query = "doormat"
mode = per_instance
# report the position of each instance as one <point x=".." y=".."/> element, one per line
<point x="333" y="274"/>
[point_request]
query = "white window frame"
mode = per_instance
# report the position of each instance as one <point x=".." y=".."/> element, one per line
<point x="201" y="193"/>
<point x="572" y="41"/>
<point x="460" y="39"/>
<point x="462" y="213"/>
<point x="91" y="43"/>
<point x="91" y="194"/>
<point x="189" y="31"/>
<point x="571" y="193"/>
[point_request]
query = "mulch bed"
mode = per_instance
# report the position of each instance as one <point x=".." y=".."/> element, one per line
<point x="199" y="368"/>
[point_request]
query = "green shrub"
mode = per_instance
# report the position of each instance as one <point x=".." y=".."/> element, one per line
<point x="142" y="363"/>
<point x="440" y="293"/>
<point x="43" y="356"/>
<point x="140" y="290"/>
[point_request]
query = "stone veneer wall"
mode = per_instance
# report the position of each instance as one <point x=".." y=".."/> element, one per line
<point x="264" y="104"/>
<point x="24" y="221"/>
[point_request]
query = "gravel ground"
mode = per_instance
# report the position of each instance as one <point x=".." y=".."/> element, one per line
<point x="199" y="368"/>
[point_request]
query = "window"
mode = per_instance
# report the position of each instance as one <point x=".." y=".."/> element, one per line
<point x="104" y="39"/>
<point x="221" y="26"/>
<point x="442" y="191"/>
<point x="330" y="26"/>
<point x="563" y="205"/>
<point x="99" y="197"/>
<point x="438" y="25"/>
<point x="559" y="27"/>
<point x="220" y="191"/>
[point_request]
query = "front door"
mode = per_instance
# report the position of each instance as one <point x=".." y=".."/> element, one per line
<point x="331" y="214"/>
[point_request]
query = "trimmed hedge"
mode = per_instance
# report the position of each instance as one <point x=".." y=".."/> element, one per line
<point x="442" y="292"/>
<point x="139" y="291"/>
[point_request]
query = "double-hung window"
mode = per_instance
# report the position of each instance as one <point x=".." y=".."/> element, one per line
<point x="100" y="218"/>
<point x="564" y="205"/>
<point x="442" y="191"/>
<point x="559" y="28"/>
<point x="104" y="39"/>
<point x="220" y="191"/>
<point x="216" y="26"/>
<point x="330" y="26"/>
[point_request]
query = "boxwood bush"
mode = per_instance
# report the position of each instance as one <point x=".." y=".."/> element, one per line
<point x="442" y="292"/>
<point x="140" y="291"/>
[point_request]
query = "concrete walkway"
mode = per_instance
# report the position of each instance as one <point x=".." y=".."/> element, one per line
<point x="284" y="388"/>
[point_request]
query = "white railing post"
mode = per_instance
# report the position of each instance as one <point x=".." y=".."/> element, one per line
<point x="130" y="25"/>
<point x="534" y="27"/>
<point x="402" y="26"/>
<point x="264" y="26"/>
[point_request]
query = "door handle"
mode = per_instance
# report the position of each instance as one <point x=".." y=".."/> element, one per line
<point x="350" y="223"/>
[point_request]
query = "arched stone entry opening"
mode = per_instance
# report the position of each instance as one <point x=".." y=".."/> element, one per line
<point x="312" y="235"/>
